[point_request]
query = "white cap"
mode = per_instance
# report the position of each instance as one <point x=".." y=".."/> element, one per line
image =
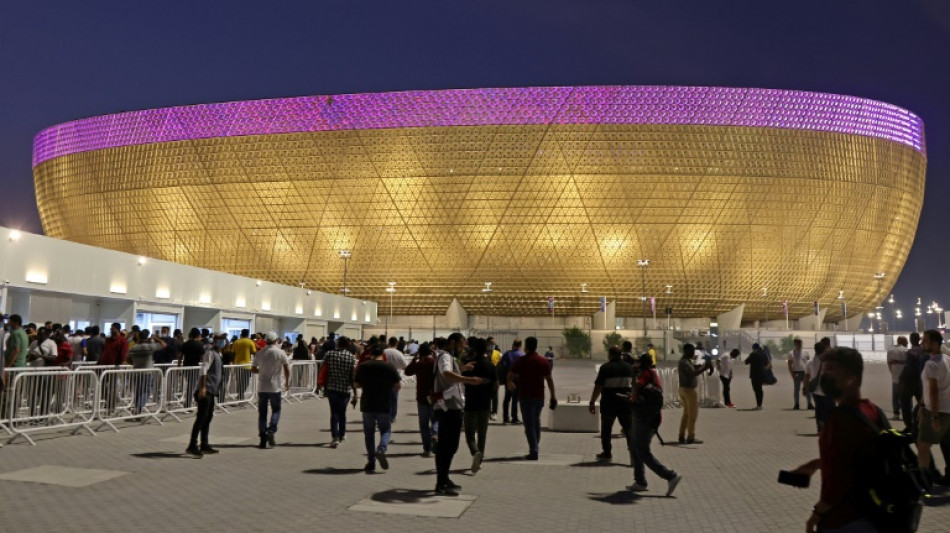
<point x="270" y="336"/>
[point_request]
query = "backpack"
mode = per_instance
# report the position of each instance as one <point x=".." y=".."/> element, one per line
<point x="892" y="484"/>
<point x="649" y="400"/>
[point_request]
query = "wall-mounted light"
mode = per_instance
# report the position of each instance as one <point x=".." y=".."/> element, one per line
<point x="118" y="288"/>
<point x="265" y="305"/>
<point x="240" y="302"/>
<point x="318" y="312"/>
<point x="258" y="283"/>
<point x="15" y="235"/>
<point x="142" y="261"/>
<point x="204" y="299"/>
<point x="163" y="293"/>
<point x="35" y="276"/>
<point x="298" y="309"/>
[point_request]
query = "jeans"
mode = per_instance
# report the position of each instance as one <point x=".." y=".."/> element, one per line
<point x="643" y="431"/>
<point x="798" y="378"/>
<point x="393" y="405"/>
<point x="726" y="390"/>
<point x="895" y="399"/>
<point x="338" y="401"/>
<point x="428" y="425"/>
<point x="264" y="398"/>
<point x="476" y="430"/>
<point x="370" y="422"/>
<point x="494" y="402"/>
<point x="202" y="419"/>
<point x="609" y="413"/>
<point x="143" y="389"/>
<point x="531" y="416"/>
<point x="690" y="399"/>
<point x="450" y="429"/>
<point x="511" y="398"/>
<point x="759" y="393"/>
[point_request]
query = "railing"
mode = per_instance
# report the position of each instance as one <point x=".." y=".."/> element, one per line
<point x="238" y="387"/>
<point x="50" y="399"/>
<point x="129" y="394"/>
<point x="303" y="380"/>
<point x="178" y="391"/>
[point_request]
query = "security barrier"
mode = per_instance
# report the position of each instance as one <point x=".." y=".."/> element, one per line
<point x="178" y="390"/>
<point x="238" y="387"/>
<point x="50" y="399"/>
<point x="129" y="394"/>
<point x="303" y="380"/>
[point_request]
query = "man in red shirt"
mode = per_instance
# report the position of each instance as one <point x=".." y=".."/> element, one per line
<point x="113" y="353"/>
<point x="842" y="445"/>
<point x="531" y="371"/>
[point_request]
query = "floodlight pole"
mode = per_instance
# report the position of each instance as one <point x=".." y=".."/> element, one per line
<point x="643" y="264"/>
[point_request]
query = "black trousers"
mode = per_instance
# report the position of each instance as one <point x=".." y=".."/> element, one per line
<point x="450" y="430"/>
<point x="511" y="398"/>
<point x="757" y="388"/>
<point x="202" y="419"/>
<point x="726" y="390"/>
<point x="607" y="417"/>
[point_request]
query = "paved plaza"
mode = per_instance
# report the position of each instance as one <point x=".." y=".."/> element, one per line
<point x="140" y="480"/>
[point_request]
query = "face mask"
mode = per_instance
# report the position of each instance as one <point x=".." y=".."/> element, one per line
<point x="220" y="343"/>
<point x="829" y="386"/>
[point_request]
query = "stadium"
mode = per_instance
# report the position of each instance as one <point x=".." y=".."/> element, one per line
<point x="551" y="195"/>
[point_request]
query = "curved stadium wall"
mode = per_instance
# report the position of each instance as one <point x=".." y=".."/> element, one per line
<point x="726" y="190"/>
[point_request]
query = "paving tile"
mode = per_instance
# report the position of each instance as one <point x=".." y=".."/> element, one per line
<point x="62" y="475"/>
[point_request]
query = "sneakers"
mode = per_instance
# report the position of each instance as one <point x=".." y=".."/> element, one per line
<point x="208" y="450"/>
<point x="381" y="457"/>
<point x="673" y="482"/>
<point x="426" y="454"/>
<point x="682" y="440"/>
<point x="493" y="416"/>
<point x="342" y="438"/>
<point x="636" y="487"/>
<point x="730" y="406"/>
<point x="334" y="443"/>
<point x="194" y="451"/>
<point x="515" y="422"/>
<point x="758" y="408"/>
<point x="796" y="408"/>
<point x="476" y="462"/>
<point x="263" y="444"/>
<point x="270" y="438"/>
<point x="531" y="457"/>
<point x="693" y="440"/>
<point x="445" y="490"/>
<point x="605" y="456"/>
<point x="369" y="468"/>
<point x="451" y="484"/>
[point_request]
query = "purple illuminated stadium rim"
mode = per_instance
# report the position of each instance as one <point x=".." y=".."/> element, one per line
<point x="658" y="105"/>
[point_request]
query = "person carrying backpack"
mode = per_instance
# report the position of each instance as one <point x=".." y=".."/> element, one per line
<point x="869" y="477"/>
<point x="647" y="398"/>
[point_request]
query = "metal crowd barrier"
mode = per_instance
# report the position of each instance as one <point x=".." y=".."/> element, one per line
<point x="178" y="389"/>
<point x="238" y="387"/>
<point x="129" y="394"/>
<point x="303" y="380"/>
<point x="50" y="399"/>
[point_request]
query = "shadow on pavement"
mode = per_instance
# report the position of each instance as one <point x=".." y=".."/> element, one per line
<point x="806" y="434"/>
<point x="595" y="464"/>
<point x="162" y="455"/>
<point x="405" y="443"/>
<point x="508" y="459"/>
<point x="330" y="471"/>
<point x="402" y="496"/>
<point x="621" y="497"/>
<point x="460" y="471"/>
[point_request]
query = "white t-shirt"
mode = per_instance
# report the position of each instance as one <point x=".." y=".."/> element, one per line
<point x="799" y="362"/>
<point x="812" y="370"/>
<point x="898" y="356"/>
<point x="395" y="359"/>
<point x="270" y="363"/>
<point x="453" y="395"/>
<point x="725" y="366"/>
<point x="938" y="367"/>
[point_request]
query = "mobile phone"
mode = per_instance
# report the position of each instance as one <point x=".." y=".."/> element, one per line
<point x="794" y="479"/>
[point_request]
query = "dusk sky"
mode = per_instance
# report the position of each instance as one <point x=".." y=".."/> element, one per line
<point x="65" y="60"/>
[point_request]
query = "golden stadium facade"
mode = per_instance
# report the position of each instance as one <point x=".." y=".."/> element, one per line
<point x="734" y="195"/>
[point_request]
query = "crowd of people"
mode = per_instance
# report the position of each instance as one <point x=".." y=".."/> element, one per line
<point x="458" y="381"/>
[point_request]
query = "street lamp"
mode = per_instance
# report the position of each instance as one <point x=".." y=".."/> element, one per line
<point x="897" y="317"/>
<point x="391" y="290"/>
<point x="345" y="256"/>
<point x="917" y="316"/>
<point x="487" y="292"/>
<point x="844" y="308"/>
<point x="871" y="322"/>
<point x="643" y="264"/>
<point x="890" y="300"/>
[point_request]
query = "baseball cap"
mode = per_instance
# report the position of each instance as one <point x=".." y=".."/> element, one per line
<point x="270" y="336"/>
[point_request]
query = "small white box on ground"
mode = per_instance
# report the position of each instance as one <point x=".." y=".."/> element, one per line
<point x="575" y="417"/>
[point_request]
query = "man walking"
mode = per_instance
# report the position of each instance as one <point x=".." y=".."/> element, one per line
<point x="449" y="403"/>
<point x="797" y="363"/>
<point x="896" y="358"/>
<point x="268" y="364"/>
<point x="377" y="379"/>
<point x="243" y="348"/>
<point x="395" y="358"/>
<point x="341" y="369"/>
<point x="613" y="384"/>
<point x="688" y="380"/>
<point x="909" y="383"/>
<point x="758" y="363"/>
<point x="934" y="417"/>
<point x="207" y="390"/>
<point x="478" y="400"/>
<point x="423" y="367"/>
<point x="531" y="372"/>
<point x="510" y="404"/>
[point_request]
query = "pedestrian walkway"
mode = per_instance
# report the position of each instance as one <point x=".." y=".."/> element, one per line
<point x="140" y="480"/>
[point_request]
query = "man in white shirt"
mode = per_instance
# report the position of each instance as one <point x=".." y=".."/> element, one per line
<point x="896" y="357"/>
<point x="724" y="364"/>
<point x="934" y="417"/>
<point x="797" y="363"/>
<point x="396" y="360"/>
<point x="267" y="364"/>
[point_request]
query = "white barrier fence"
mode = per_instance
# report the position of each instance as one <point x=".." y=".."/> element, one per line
<point x="56" y="399"/>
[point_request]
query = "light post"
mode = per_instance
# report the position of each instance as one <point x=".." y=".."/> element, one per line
<point x="487" y="292"/>
<point x="392" y="291"/>
<point x="345" y="256"/>
<point x="930" y="311"/>
<point x="765" y="301"/>
<point x="897" y="317"/>
<point x="917" y="316"/>
<point x="871" y="322"/>
<point x="643" y="264"/>
<point x="669" y="308"/>
<point x="844" y="308"/>
<point x="938" y="310"/>
<point x="890" y="300"/>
